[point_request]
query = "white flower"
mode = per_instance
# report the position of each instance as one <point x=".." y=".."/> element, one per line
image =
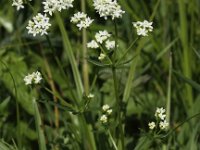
<point x="143" y="28"/>
<point x="92" y="44"/>
<point x="51" y="6"/>
<point x="90" y="95"/>
<point x="152" y="125"/>
<point x="160" y="113"/>
<point x="101" y="36"/>
<point x="110" y="44"/>
<point x="39" y="25"/>
<point x="104" y="119"/>
<point x="35" y="78"/>
<point x="101" y="56"/>
<point x="78" y="17"/>
<point x="18" y="4"/>
<point x="109" y="111"/>
<point x="163" y="124"/>
<point x="81" y="20"/>
<point x="105" y="107"/>
<point x="108" y="8"/>
<point x="28" y="79"/>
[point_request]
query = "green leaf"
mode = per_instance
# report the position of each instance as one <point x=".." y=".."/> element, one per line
<point x="38" y="124"/>
<point x="97" y="63"/>
<point x="187" y="80"/>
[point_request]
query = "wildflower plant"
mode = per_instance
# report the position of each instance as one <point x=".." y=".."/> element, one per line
<point x="39" y="25"/>
<point x="81" y="20"/>
<point x="19" y="4"/>
<point x="34" y="78"/>
<point x="160" y="123"/>
<point x="102" y="62"/>
<point x="106" y="112"/>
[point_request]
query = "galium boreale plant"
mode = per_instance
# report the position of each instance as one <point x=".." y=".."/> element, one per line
<point x="107" y="45"/>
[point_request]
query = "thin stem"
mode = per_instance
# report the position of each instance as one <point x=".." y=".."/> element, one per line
<point x="131" y="75"/>
<point x="116" y="40"/>
<point x="112" y="140"/>
<point x="53" y="88"/>
<point x="118" y="101"/>
<point x="126" y="51"/>
<point x="69" y="51"/>
<point x="168" y="107"/>
<point x="186" y="52"/>
<point x="85" y="63"/>
<point x="118" y="106"/>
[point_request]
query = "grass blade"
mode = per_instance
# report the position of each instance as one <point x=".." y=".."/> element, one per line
<point x="69" y="51"/>
<point x="38" y="124"/>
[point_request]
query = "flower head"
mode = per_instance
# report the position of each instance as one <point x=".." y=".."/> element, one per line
<point x="105" y="107"/>
<point x="92" y="44"/>
<point x="143" y="28"/>
<point x="81" y="20"/>
<point x="34" y="78"/>
<point x="163" y="125"/>
<point x="39" y="25"/>
<point x="152" y="125"/>
<point x="160" y="113"/>
<point x="104" y="119"/>
<point x="108" y="8"/>
<point x="101" y="56"/>
<point x="51" y="6"/>
<point x="102" y="36"/>
<point x="110" y="44"/>
<point x="90" y="95"/>
<point x="18" y="4"/>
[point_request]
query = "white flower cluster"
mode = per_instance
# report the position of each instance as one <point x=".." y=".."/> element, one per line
<point x="106" y="112"/>
<point x="100" y="37"/>
<point x="160" y="116"/>
<point x="18" y="4"/>
<point x="39" y="25"/>
<point x="90" y="96"/>
<point x="92" y="44"/>
<point x="81" y="20"/>
<point x="51" y="6"/>
<point x="102" y="56"/>
<point x="110" y="44"/>
<point x="143" y="28"/>
<point x="34" y="78"/>
<point x="107" y="8"/>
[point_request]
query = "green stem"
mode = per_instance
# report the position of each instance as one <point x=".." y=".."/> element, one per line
<point x="112" y="140"/>
<point x="127" y="50"/>
<point x="186" y="52"/>
<point x="131" y="75"/>
<point x="85" y="64"/>
<point x="168" y="107"/>
<point x="116" y="40"/>
<point x="118" y="101"/>
<point x="118" y="107"/>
